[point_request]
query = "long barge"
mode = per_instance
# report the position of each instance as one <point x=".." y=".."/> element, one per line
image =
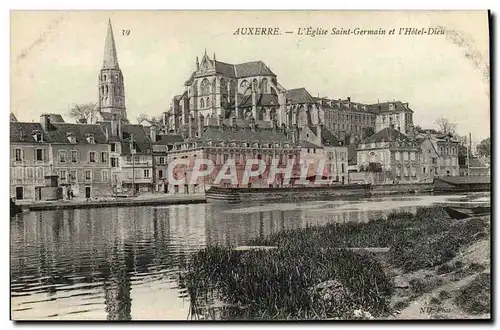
<point x="236" y="195"/>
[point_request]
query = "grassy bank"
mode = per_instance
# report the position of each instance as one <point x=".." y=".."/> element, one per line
<point x="311" y="274"/>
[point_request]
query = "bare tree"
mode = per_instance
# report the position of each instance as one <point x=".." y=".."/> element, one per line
<point x="445" y="126"/>
<point x="85" y="110"/>
<point x="141" y="117"/>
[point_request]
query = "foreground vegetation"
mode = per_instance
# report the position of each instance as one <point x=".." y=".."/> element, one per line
<point x="311" y="274"/>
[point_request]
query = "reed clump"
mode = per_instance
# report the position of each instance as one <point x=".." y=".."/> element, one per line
<point x="288" y="283"/>
<point x="312" y="275"/>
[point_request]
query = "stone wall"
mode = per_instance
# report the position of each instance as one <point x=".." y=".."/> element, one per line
<point x="404" y="188"/>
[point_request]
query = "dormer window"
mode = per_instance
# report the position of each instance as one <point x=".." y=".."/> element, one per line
<point x="38" y="137"/>
<point x="71" y="138"/>
<point x="90" y="139"/>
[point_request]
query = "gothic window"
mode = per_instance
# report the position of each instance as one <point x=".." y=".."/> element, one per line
<point x="102" y="89"/>
<point x="104" y="78"/>
<point x="255" y="84"/>
<point x="214" y="85"/>
<point x="264" y="86"/>
<point x="205" y="87"/>
<point x="208" y="101"/>
<point x="202" y="103"/>
<point x="106" y="89"/>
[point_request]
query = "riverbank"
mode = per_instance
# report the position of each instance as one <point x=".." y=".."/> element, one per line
<point x="141" y="200"/>
<point x="435" y="267"/>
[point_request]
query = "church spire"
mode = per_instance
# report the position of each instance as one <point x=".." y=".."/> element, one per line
<point x="110" y="57"/>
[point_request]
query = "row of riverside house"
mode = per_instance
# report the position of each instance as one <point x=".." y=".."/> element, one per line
<point x="90" y="160"/>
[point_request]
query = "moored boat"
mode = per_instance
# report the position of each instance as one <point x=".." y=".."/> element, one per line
<point x="457" y="212"/>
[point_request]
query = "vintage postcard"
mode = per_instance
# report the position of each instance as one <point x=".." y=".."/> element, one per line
<point x="250" y="165"/>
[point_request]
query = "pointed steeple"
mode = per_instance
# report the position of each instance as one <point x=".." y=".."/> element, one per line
<point x="214" y="57"/>
<point x="110" y="58"/>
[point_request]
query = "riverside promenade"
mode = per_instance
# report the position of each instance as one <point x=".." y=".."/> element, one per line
<point x="141" y="200"/>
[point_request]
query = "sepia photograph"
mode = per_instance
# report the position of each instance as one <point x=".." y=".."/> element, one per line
<point x="250" y="165"/>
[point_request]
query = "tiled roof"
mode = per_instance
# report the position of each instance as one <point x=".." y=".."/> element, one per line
<point x="165" y="139"/>
<point x="23" y="132"/>
<point x="299" y="95"/>
<point x="328" y="139"/>
<point x="309" y="145"/>
<point x="388" y="134"/>
<point x="225" y="69"/>
<point x="249" y="69"/>
<point x="384" y="107"/>
<point x="60" y="132"/>
<point x="259" y="135"/>
<point x="141" y="139"/>
<point x="242" y="70"/>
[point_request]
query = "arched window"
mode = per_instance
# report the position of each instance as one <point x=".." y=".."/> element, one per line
<point x="214" y="85"/>
<point x="106" y="89"/>
<point x="255" y="84"/>
<point x="205" y="87"/>
<point x="264" y="86"/>
<point x="102" y="89"/>
<point x="104" y="78"/>
<point x="208" y="101"/>
<point x="202" y="103"/>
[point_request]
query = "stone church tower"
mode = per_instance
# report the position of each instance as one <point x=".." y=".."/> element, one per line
<point x="111" y="87"/>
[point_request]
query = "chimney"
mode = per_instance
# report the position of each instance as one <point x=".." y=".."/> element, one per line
<point x="349" y="99"/>
<point x="45" y="122"/>
<point x="153" y="131"/>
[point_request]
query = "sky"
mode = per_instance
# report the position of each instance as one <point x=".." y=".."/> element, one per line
<point x="56" y="57"/>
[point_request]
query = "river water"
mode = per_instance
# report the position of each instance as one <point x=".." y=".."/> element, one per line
<point x="122" y="263"/>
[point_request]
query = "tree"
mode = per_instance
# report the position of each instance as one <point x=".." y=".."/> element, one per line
<point x="445" y="126"/>
<point x="141" y="117"/>
<point x="85" y="110"/>
<point x="484" y="148"/>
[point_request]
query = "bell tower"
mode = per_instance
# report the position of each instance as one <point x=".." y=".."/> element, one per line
<point x="111" y="87"/>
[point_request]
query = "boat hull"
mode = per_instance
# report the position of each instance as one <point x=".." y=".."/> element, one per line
<point x="467" y="212"/>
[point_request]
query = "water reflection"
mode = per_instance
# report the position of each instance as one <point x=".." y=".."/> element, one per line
<point x="122" y="263"/>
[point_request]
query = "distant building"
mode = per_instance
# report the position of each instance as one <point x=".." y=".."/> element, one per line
<point x="394" y="113"/>
<point x="439" y="154"/>
<point x="389" y="156"/>
<point x="318" y="144"/>
<point x="237" y="140"/>
<point x="478" y="166"/>
<point x="77" y="153"/>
